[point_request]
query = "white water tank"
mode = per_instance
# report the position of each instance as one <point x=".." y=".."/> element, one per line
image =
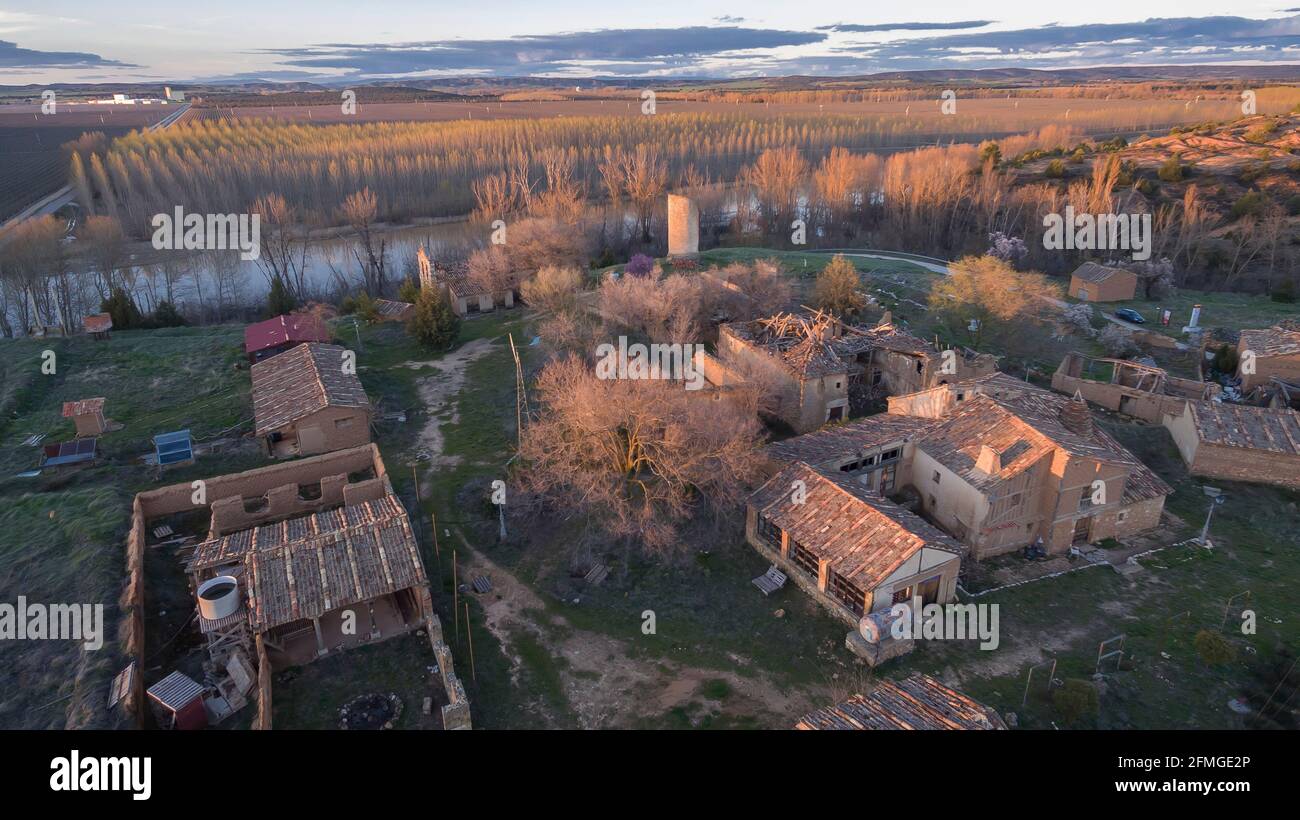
<point x="219" y="597"/>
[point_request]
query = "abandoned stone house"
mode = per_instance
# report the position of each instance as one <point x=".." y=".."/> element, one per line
<point x="1267" y="354"/>
<point x="820" y="367"/>
<point x="309" y="400"/>
<point x="1009" y="463"/>
<point x="994" y="462"/>
<point x="87" y="416"/>
<point x="390" y="310"/>
<point x="1239" y="442"/>
<point x="850" y="548"/>
<point x="918" y="702"/>
<point x="1092" y="282"/>
<point x="1142" y="391"/>
<point x="466" y="296"/>
<point x="297" y="561"/>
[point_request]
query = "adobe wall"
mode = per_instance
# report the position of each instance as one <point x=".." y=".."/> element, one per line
<point x="802" y="405"/>
<point x="176" y="498"/>
<point x="1286" y="368"/>
<point x="1242" y="464"/>
<point x="683" y="226"/>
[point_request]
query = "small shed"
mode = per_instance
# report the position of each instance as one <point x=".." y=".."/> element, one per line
<point x="1099" y="283"/>
<point x="66" y="453"/>
<point x="179" y="699"/>
<point x="173" y="448"/>
<point x="393" y="311"/>
<point x="98" y="325"/>
<point x="87" y="415"/>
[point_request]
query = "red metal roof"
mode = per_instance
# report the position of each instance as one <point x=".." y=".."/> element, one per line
<point x="98" y="323"/>
<point x="294" y="328"/>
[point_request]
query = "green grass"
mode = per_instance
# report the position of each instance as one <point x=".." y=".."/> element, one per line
<point x="1067" y="617"/>
<point x="1234" y="311"/>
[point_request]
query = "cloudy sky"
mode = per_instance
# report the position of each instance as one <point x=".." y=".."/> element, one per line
<point x="347" y="40"/>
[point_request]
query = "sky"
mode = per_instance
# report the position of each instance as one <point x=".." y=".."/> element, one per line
<point x="76" y="41"/>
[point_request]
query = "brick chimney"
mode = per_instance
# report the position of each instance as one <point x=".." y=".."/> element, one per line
<point x="1076" y="416"/>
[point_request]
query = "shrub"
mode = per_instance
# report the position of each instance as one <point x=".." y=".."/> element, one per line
<point x="366" y="307"/>
<point x="1250" y="204"/>
<point x="1055" y="169"/>
<point x="1075" y="700"/>
<point x="839" y="288"/>
<point x="1171" y="170"/>
<point x="278" y="299"/>
<point x="1284" y="292"/>
<point x="123" y="310"/>
<point x="1293" y="205"/>
<point x="1213" y="648"/>
<point x="639" y="265"/>
<point x="166" y="315"/>
<point x="409" y="291"/>
<point x="435" y="325"/>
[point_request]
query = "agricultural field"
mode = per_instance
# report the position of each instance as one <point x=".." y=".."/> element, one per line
<point x="33" y="162"/>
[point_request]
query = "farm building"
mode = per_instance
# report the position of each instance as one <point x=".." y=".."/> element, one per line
<point x="850" y="548"/>
<point x="466" y="296"/>
<point x="1134" y="389"/>
<point x="100" y="325"/>
<point x="288" y="563"/>
<point x="916" y="702"/>
<point x="1010" y="464"/>
<point x="87" y="415"/>
<point x="1091" y="282"/>
<point x="821" y="366"/>
<point x="308" y="400"/>
<point x="265" y="339"/>
<point x="1238" y="442"/>
<point x="868" y="449"/>
<point x="1263" y="355"/>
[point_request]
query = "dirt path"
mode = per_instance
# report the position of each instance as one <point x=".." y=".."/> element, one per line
<point x="604" y="686"/>
<point x="438" y="391"/>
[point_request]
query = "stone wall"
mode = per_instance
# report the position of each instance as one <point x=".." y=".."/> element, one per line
<point x="683" y="226"/>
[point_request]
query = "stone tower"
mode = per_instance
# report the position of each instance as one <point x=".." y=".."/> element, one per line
<point x="683" y="226"/>
<point x="426" y="268"/>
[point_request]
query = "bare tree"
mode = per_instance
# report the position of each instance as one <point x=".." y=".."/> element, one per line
<point x="360" y="210"/>
<point x="283" y="255"/>
<point x="640" y="458"/>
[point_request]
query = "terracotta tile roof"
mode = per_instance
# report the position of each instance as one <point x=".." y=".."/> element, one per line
<point x="85" y="407"/>
<point x="863" y="535"/>
<point x="1023" y="425"/>
<point x="302" y="381"/>
<point x="917" y="702"/>
<point x="456" y="277"/>
<point x="844" y="440"/>
<point x="284" y="329"/>
<point x="307" y="566"/>
<point x="1272" y="341"/>
<point x="1092" y="272"/>
<point x="98" y="323"/>
<point x="1254" y="428"/>
<point x="883" y="337"/>
<point x="390" y="309"/>
<point x="803" y="356"/>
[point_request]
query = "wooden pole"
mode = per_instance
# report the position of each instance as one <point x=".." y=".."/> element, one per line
<point x="433" y="520"/>
<point x="455" y="595"/>
<point x="470" y="637"/>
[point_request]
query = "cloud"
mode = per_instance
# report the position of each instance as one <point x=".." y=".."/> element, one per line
<point x="858" y="29"/>
<point x="1215" y="39"/>
<point x="13" y="57"/>
<point x="544" y="54"/>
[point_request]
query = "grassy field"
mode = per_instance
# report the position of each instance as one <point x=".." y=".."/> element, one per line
<point x="62" y="534"/>
<point x="1234" y="311"/>
<point x="544" y="649"/>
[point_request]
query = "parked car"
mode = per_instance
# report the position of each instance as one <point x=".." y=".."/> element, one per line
<point x="1130" y="315"/>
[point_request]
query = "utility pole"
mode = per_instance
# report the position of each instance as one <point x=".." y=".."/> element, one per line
<point x="1216" y="498"/>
